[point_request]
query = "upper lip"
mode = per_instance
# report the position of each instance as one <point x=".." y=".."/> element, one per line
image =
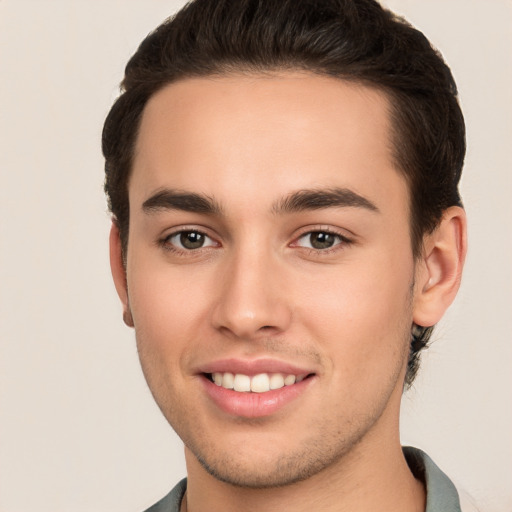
<point x="253" y="367"/>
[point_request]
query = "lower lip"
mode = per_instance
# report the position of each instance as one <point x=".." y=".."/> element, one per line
<point x="254" y="405"/>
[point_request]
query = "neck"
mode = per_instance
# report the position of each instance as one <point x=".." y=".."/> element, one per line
<point x="365" y="479"/>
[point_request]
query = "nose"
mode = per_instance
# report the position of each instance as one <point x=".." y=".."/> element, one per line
<point x="252" y="300"/>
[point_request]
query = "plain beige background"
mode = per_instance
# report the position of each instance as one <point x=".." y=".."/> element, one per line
<point x="78" y="428"/>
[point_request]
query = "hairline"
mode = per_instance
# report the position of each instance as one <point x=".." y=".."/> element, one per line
<point x="241" y="68"/>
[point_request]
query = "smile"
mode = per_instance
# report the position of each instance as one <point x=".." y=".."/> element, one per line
<point x="260" y="383"/>
<point x="255" y="389"/>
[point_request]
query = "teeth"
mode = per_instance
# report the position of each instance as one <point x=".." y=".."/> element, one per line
<point x="289" y="380"/>
<point x="228" y="380"/>
<point x="260" y="383"/>
<point x="276" y="381"/>
<point x="242" y="382"/>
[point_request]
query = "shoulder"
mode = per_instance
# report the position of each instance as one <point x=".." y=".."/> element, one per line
<point x="172" y="501"/>
<point x="441" y="492"/>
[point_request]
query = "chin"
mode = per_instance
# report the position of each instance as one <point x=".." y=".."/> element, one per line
<point x="256" y="478"/>
<point x="274" y="470"/>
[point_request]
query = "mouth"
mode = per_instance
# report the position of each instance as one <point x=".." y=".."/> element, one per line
<point x="259" y="383"/>
<point x="255" y="389"/>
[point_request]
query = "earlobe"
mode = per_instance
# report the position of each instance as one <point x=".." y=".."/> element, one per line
<point x="439" y="272"/>
<point x="119" y="273"/>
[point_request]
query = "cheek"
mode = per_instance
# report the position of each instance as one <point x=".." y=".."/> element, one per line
<point x="167" y="307"/>
<point x="168" y="315"/>
<point x="361" y="315"/>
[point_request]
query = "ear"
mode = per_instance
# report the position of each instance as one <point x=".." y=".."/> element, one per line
<point x="439" y="271"/>
<point x="119" y="273"/>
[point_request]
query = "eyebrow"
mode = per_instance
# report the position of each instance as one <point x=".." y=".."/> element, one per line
<point x="317" y="199"/>
<point x="302" y="200"/>
<point x="185" y="201"/>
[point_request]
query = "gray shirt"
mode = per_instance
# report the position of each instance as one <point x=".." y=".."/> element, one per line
<point x="442" y="496"/>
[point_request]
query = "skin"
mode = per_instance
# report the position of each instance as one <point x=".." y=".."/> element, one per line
<point x="257" y="289"/>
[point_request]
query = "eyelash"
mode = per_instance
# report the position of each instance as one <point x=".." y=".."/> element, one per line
<point x="342" y="242"/>
<point x="166" y="244"/>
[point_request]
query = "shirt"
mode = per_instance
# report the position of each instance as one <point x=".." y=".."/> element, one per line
<point x="442" y="496"/>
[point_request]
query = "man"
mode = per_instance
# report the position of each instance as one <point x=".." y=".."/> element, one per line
<point x="287" y="230"/>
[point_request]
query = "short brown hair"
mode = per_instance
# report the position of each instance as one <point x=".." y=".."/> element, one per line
<point x="355" y="40"/>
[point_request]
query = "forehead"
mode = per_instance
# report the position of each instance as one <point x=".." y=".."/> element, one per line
<point x="255" y="136"/>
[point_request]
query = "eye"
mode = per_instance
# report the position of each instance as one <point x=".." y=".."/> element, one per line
<point x="189" y="240"/>
<point x="320" y="240"/>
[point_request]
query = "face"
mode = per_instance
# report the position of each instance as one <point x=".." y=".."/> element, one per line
<point x="270" y="273"/>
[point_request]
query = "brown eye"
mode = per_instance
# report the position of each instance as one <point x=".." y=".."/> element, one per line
<point x="190" y="240"/>
<point x="319" y="240"/>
